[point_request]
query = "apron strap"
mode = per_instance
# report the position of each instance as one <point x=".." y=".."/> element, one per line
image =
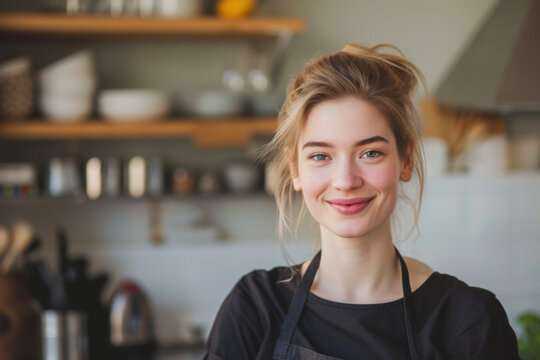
<point x="407" y="307"/>
<point x="295" y="309"/>
<point x="300" y="297"/>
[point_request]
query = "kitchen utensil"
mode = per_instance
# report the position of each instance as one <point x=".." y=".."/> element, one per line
<point x="58" y="296"/>
<point x="4" y="240"/>
<point x="241" y="178"/>
<point x="76" y="285"/>
<point x="71" y="7"/>
<point x="16" y="88"/>
<point x="63" y="177"/>
<point x="19" y="319"/>
<point x="62" y="249"/>
<point x="130" y="317"/>
<point x="35" y="244"/>
<point x="179" y="8"/>
<point x="37" y="284"/>
<point x="125" y="105"/>
<point x="257" y="75"/>
<point x="233" y="79"/>
<point x="76" y="270"/>
<point x="147" y="7"/>
<point x="96" y="285"/>
<point x="213" y="104"/>
<point x="64" y="335"/>
<point x="94" y="178"/>
<point x="77" y="6"/>
<point x="22" y="237"/>
<point x="136" y="176"/>
<point x="183" y="181"/>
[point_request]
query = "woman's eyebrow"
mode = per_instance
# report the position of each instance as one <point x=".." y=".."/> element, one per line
<point x="358" y="143"/>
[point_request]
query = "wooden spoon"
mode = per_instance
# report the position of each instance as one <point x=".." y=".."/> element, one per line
<point x="22" y="237"/>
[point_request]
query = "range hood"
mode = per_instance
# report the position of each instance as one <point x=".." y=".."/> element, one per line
<point x="499" y="71"/>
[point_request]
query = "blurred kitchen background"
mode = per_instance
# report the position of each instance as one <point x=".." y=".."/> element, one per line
<point x="129" y="130"/>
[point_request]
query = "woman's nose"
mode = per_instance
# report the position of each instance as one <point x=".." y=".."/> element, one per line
<point x="346" y="175"/>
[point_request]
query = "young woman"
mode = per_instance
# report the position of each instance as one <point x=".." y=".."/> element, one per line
<point x="347" y="137"/>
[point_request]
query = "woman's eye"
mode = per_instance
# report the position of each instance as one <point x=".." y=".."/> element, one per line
<point x="319" y="157"/>
<point x="370" y="154"/>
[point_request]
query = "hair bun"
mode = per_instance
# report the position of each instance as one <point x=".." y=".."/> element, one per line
<point x="355" y="49"/>
<point x="405" y="72"/>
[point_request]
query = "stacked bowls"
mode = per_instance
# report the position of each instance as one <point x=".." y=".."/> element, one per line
<point x="67" y="88"/>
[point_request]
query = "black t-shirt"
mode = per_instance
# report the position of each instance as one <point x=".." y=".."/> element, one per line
<point x="451" y="320"/>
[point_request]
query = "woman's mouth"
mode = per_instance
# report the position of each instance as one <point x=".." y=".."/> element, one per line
<point x="350" y="206"/>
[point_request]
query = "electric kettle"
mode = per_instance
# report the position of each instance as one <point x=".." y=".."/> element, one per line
<point x="130" y="317"/>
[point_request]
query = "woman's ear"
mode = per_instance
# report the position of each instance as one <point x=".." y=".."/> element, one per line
<point x="407" y="164"/>
<point x="293" y="168"/>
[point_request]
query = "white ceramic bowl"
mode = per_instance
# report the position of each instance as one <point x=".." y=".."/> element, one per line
<point x="78" y="64"/>
<point x="213" y="104"/>
<point x="133" y="105"/>
<point x="65" y="107"/>
<point x="82" y="84"/>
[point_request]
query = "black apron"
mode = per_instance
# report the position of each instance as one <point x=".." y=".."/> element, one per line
<point x="284" y="350"/>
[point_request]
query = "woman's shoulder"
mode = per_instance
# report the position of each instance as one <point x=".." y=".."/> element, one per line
<point x="440" y="288"/>
<point x="271" y="277"/>
<point x="261" y="286"/>
<point x="249" y="317"/>
<point x="448" y="287"/>
<point x="277" y="283"/>
<point x="465" y="321"/>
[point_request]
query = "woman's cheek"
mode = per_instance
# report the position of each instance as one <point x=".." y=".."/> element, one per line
<point x="382" y="178"/>
<point x="314" y="180"/>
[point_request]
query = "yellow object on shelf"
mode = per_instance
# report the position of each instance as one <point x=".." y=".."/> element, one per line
<point x="235" y="8"/>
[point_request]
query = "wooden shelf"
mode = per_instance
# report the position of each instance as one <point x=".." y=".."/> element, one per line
<point x="67" y="25"/>
<point x="205" y="132"/>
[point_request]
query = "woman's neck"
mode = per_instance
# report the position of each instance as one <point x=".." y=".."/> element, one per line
<point x="358" y="270"/>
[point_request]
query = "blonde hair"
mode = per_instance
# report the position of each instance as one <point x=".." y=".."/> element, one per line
<point x="385" y="80"/>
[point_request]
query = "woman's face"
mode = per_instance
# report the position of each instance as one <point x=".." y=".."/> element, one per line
<point x="348" y="167"/>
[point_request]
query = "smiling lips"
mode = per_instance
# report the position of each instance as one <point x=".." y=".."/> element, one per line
<point x="350" y="206"/>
